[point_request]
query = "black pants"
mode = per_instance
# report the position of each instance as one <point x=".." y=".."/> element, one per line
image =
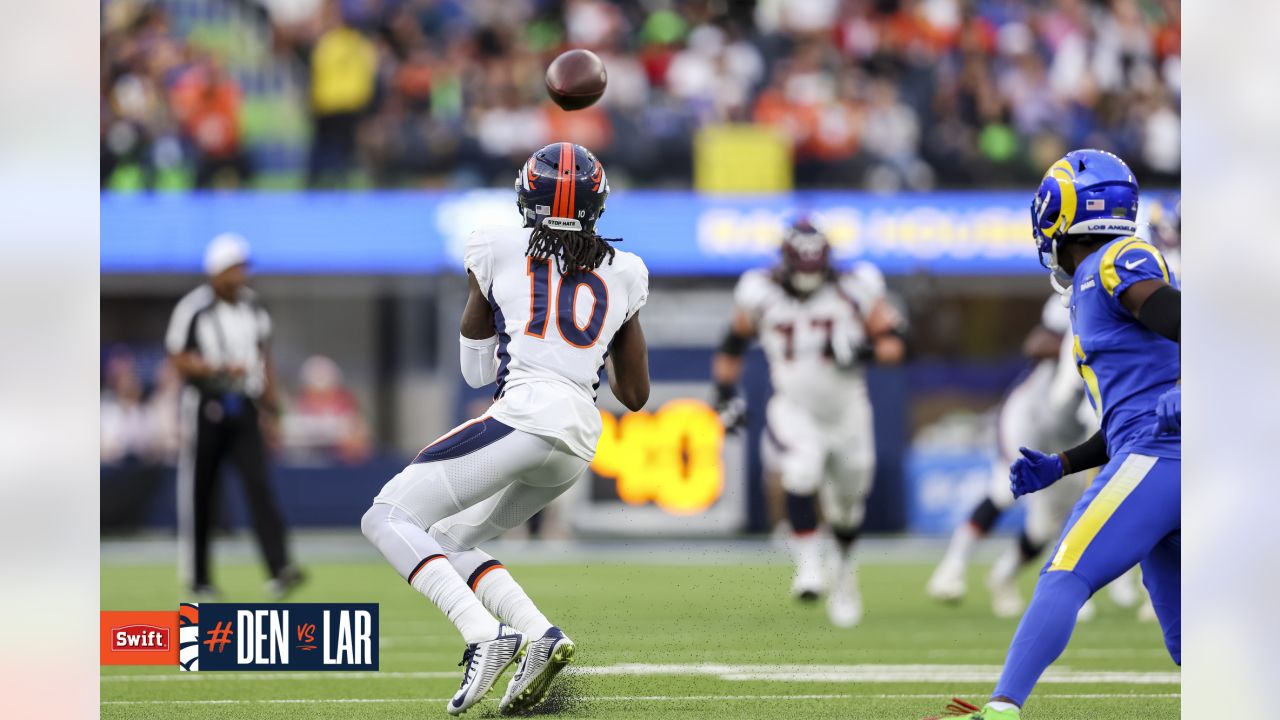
<point x="226" y="428"/>
<point x="333" y="149"/>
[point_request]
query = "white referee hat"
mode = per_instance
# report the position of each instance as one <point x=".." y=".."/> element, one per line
<point x="225" y="251"/>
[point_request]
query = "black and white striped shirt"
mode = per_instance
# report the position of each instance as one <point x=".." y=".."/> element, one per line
<point x="224" y="333"/>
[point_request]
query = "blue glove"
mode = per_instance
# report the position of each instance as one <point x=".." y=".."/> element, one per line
<point x="1169" y="411"/>
<point x="1033" y="471"/>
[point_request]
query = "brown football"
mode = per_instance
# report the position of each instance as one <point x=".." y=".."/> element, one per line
<point x="576" y="79"/>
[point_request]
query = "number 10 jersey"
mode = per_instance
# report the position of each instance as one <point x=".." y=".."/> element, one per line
<point x="554" y="332"/>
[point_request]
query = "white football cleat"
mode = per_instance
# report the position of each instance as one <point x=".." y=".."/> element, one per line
<point x="947" y="583"/>
<point x="483" y="663"/>
<point x="543" y="659"/>
<point x="844" y="605"/>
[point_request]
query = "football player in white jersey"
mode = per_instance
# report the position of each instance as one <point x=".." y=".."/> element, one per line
<point x="1045" y="405"/>
<point x="1022" y="420"/>
<point x="819" y="329"/>
<point x="549" y="306"/>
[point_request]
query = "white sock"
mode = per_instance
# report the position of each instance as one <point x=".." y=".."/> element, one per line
<point x="441" y="584"/>
<point x="806" y="552"/>
<point x="504" y="597"/>
<point x="994" y="705"/>
<point x="805" y="548"/>
<point x="961" y="547"/>
<point x="1006" y="568"/>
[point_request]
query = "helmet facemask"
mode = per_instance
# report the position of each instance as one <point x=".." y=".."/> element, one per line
<point x="806" y="258"/>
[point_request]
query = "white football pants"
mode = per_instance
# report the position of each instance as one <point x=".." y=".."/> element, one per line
<point x="468" y="487"/>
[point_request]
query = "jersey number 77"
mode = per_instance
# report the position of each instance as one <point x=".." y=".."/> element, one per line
<point x="565" y="299"/>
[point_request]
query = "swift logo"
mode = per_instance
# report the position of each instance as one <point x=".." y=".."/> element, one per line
<point x="1134" y="263"/>
<point x="132" y="638"/>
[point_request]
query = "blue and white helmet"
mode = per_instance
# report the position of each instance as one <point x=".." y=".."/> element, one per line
<point x="1087" y="192"/>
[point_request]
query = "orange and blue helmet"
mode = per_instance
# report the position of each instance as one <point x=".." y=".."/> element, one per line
<point x="562" y="187"/>
<point x="1087" y="192"/>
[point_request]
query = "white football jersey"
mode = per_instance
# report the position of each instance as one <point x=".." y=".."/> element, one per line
<point x="553" y="332"/>
<point x="798" y="335"/>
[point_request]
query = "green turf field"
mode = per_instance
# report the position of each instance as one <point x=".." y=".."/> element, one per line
<point x="657" y="641"/>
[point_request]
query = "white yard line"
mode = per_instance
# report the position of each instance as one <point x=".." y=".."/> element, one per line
<point x="1062" y="675"/>
<point x="639" y="698"/>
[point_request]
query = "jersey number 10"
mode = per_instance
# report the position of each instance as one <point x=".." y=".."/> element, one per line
<point x="566" y="299"/>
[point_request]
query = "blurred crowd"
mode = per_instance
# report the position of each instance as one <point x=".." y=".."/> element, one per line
<point x="869" y="93"/>
<point x="321" y="422"/>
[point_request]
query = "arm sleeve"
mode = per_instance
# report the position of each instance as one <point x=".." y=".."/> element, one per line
<point x="478" y="359"/>
<point x="1162" y="313"/>
<point x="1089" y="454"/>
<point x="1126" y="262"/>
<point x="477" y="257"/>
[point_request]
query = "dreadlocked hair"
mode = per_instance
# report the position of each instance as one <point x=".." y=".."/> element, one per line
<point x="575" y="251"/>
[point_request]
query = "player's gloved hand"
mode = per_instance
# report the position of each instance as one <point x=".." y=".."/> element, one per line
<point x="847" y="357"/>
<point x="731" y="408"/>
<point x="1033" y="471"/>
<point x="1169" y="411"/>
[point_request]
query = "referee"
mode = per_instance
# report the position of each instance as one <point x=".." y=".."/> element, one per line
<point x="217" y="339"/>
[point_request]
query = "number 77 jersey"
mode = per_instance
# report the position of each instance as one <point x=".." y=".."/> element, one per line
<point x="554" y="332"/>
<point x="800" y="334"/>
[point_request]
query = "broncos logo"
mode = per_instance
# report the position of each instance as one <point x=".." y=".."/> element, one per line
<point x="529" y="174"/>
<point x="597" y="176"/>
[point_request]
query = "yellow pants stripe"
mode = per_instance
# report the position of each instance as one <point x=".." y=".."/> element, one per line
<point x="1127" y="477"/>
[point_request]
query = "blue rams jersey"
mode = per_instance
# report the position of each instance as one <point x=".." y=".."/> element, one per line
<point x="1125" y="366"/>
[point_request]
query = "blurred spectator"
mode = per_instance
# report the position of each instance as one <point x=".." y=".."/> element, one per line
<point x="206" y="102"/>
<point x="344" y="65"/>
<point x="444" y="91"/>
<point x="132" y="446"/>
<point x="127" y="423"/>
<point x="325" y="416"/>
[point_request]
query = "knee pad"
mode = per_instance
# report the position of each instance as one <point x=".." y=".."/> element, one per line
<point x="1029" y="548"/>
<point x="846" y="536"/>
<point x="802" y="511"/>
<point x="984" y="516"/>
<point x="373" y="519"/>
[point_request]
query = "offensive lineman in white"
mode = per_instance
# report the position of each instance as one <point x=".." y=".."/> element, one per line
<point x="819" y="329"/>
<point x="549" y="306"/>
<point x="1044" y="408"/>
<point x="1024" y="419"/>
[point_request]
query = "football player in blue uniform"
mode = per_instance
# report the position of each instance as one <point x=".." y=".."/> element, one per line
<point x="1126" y="317"/>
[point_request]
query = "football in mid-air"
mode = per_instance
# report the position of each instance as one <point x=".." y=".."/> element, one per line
<point x="576" y="79"/>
